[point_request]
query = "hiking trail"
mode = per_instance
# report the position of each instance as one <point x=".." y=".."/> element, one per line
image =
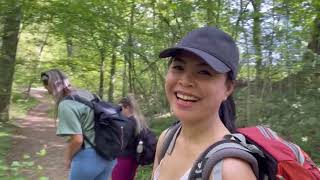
<point x="34" y="133"/>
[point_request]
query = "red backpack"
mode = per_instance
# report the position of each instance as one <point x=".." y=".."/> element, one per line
<point x="270" y="156"/>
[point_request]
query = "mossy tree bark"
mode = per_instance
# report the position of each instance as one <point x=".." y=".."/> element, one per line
<point x="10" y="38"/>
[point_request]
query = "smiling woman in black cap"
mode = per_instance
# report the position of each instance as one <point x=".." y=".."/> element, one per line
<point x="199" y="84"/>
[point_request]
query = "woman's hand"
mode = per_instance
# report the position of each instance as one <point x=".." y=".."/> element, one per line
<point x="67" y="163"/>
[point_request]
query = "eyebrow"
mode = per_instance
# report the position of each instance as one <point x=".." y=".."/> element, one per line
<point x="202" y="63"/>
<point x="177" y="59"/>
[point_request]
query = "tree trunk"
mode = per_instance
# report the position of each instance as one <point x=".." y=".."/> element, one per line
<point x="314" y="44"/>
<point x="130" y="79"/>
<point x="112" y="74"/>
<point x="243" y="9"/>
<point x="68" y="32"/>
<point x="217" y="14"/>
<point x="69" y="47"/>
<point x="257" y="40"/>
<point x="102" y="62"/>
<point x="36" y="64"/>
<point x="124" y="77"/>
<point x="213" y="19"/>
<point x="248" y="102"/>
<point x="10" y="38"/>
<point x="129" y="49"/>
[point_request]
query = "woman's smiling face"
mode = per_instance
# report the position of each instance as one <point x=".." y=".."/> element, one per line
<point x="194" y="90"/>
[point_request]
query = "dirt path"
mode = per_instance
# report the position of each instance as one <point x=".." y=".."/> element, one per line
<point x="36" y="131"/>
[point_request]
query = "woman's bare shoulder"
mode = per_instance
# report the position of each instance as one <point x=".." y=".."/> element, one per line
<point x="234" y="168"/>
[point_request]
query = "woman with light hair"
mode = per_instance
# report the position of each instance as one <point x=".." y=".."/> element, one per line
<point x="76" y="119"/>
<point x="126" y="166"/>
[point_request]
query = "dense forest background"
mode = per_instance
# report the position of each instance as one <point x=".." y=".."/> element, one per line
<point x="111" y="48"/>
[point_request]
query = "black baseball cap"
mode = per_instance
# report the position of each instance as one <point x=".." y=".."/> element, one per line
<point x="212" y="45"/>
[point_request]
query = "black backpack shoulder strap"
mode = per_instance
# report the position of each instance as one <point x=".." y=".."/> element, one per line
<point x="84" y="101"/>
<point x="169" y="140"/>
<point x="79" y="99"/>
<point x="210" y="158"/>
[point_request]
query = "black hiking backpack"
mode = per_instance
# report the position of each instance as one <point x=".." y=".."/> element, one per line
<point x="146" y="147"/>
<point x="112" y="130"/>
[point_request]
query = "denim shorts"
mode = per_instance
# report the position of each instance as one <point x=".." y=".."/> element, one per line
<point x="88" y="165"/>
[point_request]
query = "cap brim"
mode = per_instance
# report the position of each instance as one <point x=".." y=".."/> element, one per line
<point x="212" y="61"/>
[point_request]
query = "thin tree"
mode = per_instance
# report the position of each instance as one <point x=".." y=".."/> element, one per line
<point x="257" y="39"/>
<point x="112" y="72"/>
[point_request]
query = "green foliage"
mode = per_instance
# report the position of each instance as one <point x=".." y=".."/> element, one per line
<point x="13" y="171"/>
<point x="137" y="31"/>
<point x="160" y="124"/>
<point x="42" y="152"/>
<point x="290" y="108"/>
<point x="144" y="172"/>
<point x="295" y="119"/>
<point x="27" y="164"/>
<point x="20" y="104"/>
<point x="5" y="144"/>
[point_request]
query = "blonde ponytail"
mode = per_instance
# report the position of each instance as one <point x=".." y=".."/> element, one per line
<point x="131" y="102"/>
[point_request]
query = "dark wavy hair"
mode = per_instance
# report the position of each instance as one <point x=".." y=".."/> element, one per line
<point x="227" y="113"/>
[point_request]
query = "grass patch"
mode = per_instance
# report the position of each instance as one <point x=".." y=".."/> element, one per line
<point x="144" y="172"/>
<point x="5" y="145"/>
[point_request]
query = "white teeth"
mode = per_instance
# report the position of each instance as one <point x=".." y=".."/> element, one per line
<point x="185" y="97"/>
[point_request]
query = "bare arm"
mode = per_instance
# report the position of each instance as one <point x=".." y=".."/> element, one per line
<point x="74" y="145"/>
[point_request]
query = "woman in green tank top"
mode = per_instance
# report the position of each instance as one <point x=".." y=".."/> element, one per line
<point x="74" y="120"/>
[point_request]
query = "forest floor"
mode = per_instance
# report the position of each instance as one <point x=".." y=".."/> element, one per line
<point x="35" y="137"/>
